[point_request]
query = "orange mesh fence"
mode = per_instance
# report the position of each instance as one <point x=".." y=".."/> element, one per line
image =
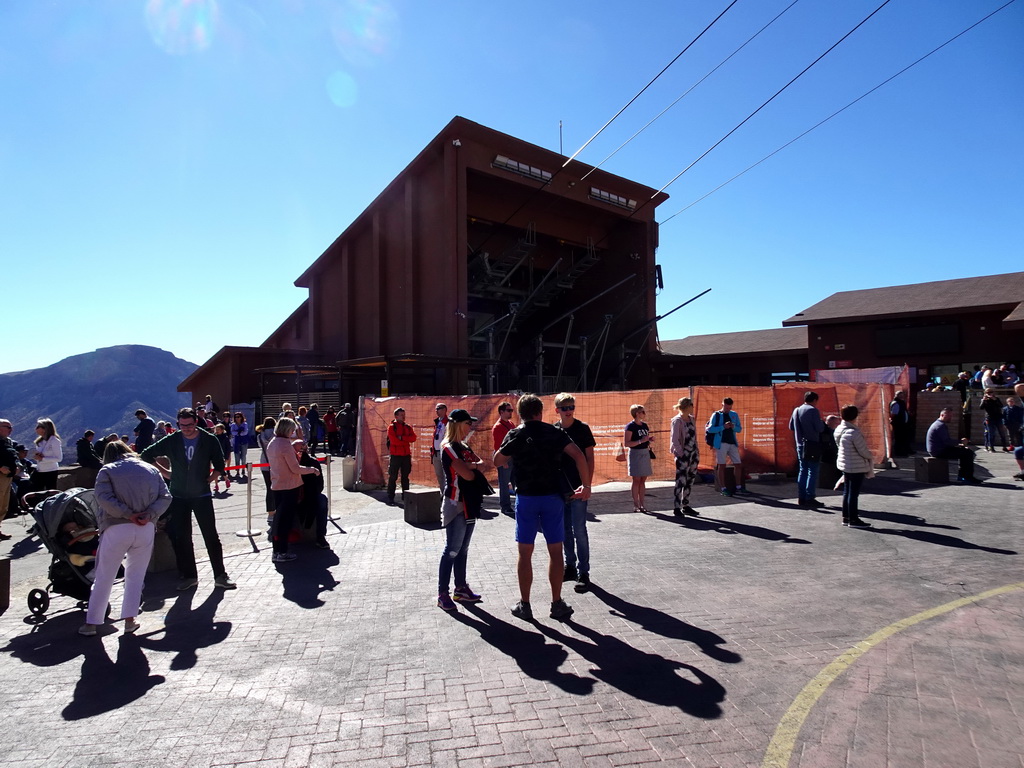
<point x="872" y="400"/>
<point x="766" y="443"/>
<point x="755" y="407"/>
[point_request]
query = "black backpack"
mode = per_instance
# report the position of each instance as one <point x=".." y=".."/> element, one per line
<point x="709" y="437"/>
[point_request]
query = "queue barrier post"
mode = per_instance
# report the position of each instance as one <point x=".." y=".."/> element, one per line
<point x="248" y="533"/>
<point x="328" y="460"/>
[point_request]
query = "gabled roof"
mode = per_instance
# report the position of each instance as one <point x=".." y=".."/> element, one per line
<point x="767" y="342"/>
<point x="992" y="292"/>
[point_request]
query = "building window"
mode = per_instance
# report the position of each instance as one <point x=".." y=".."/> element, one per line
<point x="608" y="197"/>
<point x="523" y="169"/>
<point x="920" y="340"/>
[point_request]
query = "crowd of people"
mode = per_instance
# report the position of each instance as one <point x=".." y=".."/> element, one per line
<point x="545" y="471"/>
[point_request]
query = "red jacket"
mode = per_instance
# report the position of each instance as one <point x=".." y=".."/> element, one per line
<point x="501" y="428"/>
<point x="400" y="437"/>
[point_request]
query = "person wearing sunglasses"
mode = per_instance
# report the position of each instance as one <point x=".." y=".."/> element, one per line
<point x="506" y="480"/>
<point x="577" y="541"/>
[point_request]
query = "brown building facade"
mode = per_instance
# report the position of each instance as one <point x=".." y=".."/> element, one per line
<point x="484" y="266"/>
<point x="937" y="328"/>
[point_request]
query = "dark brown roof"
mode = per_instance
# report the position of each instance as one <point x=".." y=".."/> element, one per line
<point x="769" y="341"/>
<point x="1015" y="320"/>
<point x="991" y="292"/>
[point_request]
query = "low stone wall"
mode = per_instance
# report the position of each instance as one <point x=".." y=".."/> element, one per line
<point x="74" y="476"/>
<point x="971" y="426"/>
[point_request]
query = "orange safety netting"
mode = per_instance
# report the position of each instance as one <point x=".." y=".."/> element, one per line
<point x="766" y="443"/>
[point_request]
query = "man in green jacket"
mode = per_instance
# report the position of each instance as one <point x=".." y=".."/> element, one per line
<point x="195" y="458"/>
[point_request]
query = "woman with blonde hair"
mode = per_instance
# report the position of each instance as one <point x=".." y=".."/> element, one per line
<point x="687" y="453"/>
<point x="130" y="496"/>
<point x="460" y="509"/>
<point x="48" y="455"/>
<point x="286" y="481"/>
<point x="637" y="439"/>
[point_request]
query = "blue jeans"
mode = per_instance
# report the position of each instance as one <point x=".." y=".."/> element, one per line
<point x="456" y="551"/>
<point x="504" y="496"/>
<point x="851" y="494"/>
<point x="577" y="541"/>
<point x="807" y="477"/>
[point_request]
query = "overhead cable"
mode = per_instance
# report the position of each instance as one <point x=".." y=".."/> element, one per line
<point x="839" y="111"/>
<point x="640" y="93"/>
<point x="688" y="90"/>
<point x="769" y="101"/>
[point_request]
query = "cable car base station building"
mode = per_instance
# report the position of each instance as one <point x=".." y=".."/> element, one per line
<point x="486" y="267"/>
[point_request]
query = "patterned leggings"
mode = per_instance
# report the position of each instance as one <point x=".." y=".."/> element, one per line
<point x="686" y="471"/>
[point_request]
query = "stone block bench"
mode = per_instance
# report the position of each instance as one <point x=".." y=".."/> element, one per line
<point x="928" y="469"/>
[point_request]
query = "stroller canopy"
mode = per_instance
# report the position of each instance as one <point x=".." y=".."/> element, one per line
<point x="77" y="504"/>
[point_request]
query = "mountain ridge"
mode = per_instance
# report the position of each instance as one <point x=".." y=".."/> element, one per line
<point x="98" y="390"/>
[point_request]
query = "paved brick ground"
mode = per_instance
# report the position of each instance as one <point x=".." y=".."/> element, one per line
<point x="692" y="646"/>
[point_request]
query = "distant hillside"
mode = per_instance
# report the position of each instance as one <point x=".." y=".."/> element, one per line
<point x="98" y="390"/>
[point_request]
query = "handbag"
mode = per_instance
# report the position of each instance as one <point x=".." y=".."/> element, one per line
<point x="652" y="453"/>
<point x="811" y="450"/>
<point x="621" y="453"/>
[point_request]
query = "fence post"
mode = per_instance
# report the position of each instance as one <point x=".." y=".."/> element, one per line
<point x="248" y="532"/>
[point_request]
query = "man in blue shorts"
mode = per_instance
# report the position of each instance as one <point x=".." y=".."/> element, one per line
<point x="537" y="448"/>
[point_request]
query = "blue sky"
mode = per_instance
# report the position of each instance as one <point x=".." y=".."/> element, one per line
<point x="168" y="168"/>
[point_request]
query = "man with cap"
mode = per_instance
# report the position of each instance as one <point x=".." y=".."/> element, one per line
<point x="440" y="424"/>
<point x="400" y="439"/>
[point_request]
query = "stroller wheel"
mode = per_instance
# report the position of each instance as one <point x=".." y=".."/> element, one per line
<point x="38" y="602"/>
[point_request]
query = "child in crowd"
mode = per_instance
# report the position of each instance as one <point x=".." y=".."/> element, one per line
<point x="225" y="445"/>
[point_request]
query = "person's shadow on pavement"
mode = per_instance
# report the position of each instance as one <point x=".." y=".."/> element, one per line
<point x="50" y="643"/>
<point x="304" y="579"/>
<point x="645" y="676"/>
<point x="104" y="685"/>
<point x="186" y="630"/>
<point x="666" y="625"/>
<point x="534" y="655"/>
<point x="902" y="519"/>
<point x="728" y="526"/>
<point x="942" y="539"/>
<point x="107" y="685"/>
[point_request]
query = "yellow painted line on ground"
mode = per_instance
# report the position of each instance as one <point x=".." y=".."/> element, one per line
<point x="780" y="749"/>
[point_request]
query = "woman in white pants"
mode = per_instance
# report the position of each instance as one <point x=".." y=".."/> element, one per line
<point x="130" y="495"/>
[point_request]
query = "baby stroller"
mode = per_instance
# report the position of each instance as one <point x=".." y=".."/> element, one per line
<point x="66" y="524"/>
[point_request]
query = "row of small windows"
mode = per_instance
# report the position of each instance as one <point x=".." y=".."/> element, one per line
<point x="533" y="172"/>
<point x="608" y="197"/>
<point x="522" y="169"/>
